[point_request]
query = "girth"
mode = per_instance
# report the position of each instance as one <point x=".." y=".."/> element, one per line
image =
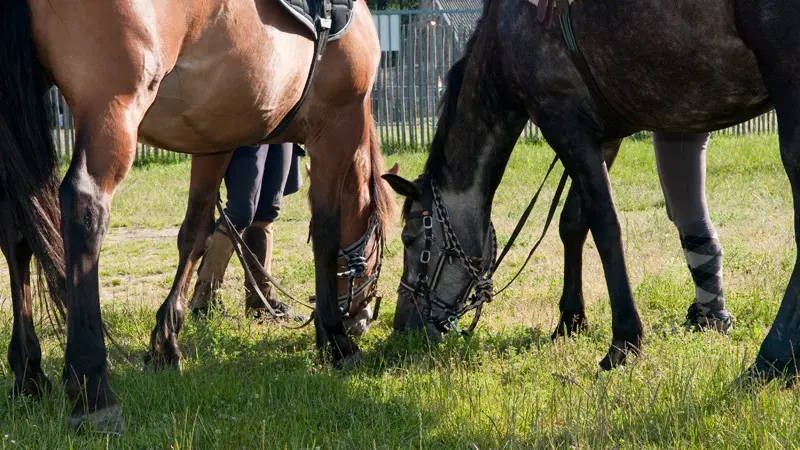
<point x="607" y="111"/>
<point x="323" y="27"/>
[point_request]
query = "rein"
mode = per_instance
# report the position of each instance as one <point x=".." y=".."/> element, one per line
<point x="481" y="279"/>
<point x="355" y="261"/>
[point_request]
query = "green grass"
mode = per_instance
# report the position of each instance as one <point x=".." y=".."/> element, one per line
<point x="258" y="386"/>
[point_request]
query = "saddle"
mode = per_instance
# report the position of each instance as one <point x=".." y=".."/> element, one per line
<point x="327" y="20"/>
<point x="308" y="12"/>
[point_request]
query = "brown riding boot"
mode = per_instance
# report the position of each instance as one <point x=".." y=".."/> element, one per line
<point x="211" y="273"/>
<point x="258" y="237"/>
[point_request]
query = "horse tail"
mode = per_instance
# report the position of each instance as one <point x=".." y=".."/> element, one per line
<point x="29" y="171"/>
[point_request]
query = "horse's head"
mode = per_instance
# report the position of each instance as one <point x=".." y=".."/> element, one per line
<point x="449" y="249"/>
<point x="360" y="258"/>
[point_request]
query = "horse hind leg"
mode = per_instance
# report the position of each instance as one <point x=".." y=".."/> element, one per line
<point x="24" y="351"/>
<point x="573" y="229"/>
<point x="207" y="173"/>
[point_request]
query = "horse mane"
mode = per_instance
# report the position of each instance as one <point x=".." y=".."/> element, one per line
<point x="449" y="100"/>
<point x="448" y="103"/>
<point x="383" y="202"/>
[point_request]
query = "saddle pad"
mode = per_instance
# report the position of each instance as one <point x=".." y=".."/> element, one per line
<point x="307" y="12"/>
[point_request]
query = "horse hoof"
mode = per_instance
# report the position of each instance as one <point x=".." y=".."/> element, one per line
<point x="358" y="325"/>
<point x="346" y="353"/>
<point x="108" y="420"/>
<point x="617" y="355"/>
<point x="35" y="387"/>
<point x="569" y="324"/>
<point x="351" y="361"/>
<point x="158" y="363"/>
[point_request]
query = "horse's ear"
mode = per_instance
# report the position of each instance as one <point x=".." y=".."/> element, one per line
<point x="395" y="170"/>
<point x="403" y="186"/>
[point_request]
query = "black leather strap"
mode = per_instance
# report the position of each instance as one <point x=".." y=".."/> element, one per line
<point x="323" y="31"/>
<point x="614" y="117"/>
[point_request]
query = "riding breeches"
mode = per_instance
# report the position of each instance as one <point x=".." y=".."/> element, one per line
<point x="257" y="179"/>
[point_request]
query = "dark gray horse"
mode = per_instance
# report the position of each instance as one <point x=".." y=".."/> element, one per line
<point x="661" y="65"/>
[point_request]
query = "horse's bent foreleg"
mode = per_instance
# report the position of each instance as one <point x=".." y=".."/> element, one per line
<point x="573" y="229"/>
<point x="24" y="351"/>
<point x="207" y="173"/>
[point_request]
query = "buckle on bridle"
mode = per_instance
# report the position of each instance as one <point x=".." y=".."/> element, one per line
<point x="442" y="213"/>
<point x="425" y="257"/>
<point x="427" y="221"/>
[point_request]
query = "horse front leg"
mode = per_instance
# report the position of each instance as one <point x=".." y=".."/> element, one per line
<point x="206" y="177"/>
<point x="582" y="156"/>
<point x="104" y="152"/>
<point x="573" y="229"/>
<point x="24" y="351"/>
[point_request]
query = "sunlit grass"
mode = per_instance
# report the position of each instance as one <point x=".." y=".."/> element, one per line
<point x="257" y="386"/>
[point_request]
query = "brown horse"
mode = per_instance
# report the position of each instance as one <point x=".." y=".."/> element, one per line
<point x="201" y="77"/>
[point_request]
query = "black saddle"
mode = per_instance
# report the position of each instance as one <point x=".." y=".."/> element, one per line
<point x="309" y="11"/>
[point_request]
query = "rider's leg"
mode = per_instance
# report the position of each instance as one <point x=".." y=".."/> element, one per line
<point x="681" y="162"/>
<point x="259" y="235"/>
<point x="243" y="183"/>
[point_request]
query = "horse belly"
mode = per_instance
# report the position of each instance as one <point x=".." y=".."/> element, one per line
<point x="687" y="70"/>
<point x="231" y="86"/>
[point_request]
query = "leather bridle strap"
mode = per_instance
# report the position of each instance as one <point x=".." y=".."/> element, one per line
<point x="323" y="26"/>
<point x="614" y="117"/>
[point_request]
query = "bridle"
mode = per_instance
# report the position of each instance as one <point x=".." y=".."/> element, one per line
<point x="432" y="308"/>
<point x="355" y="261"/>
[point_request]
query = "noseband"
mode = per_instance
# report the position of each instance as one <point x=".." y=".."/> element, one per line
<point x="433" y="309"/>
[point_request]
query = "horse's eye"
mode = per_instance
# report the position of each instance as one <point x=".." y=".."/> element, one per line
<point x="408" y="240"/>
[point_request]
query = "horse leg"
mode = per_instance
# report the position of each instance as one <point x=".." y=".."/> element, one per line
<point x="774" y="40"/>
<point x="24" y="351"/>
<point x="573" y="229"/>
<point x="207" y="173"/>
<point x="105" y="148"/>
<point x="337" y="204"/>
<point x="582" y="156"/>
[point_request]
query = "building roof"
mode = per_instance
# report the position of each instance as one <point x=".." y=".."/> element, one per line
<point x="460" y="19"/>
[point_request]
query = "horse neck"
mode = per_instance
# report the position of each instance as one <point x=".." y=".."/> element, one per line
<point x="476" y="148"/>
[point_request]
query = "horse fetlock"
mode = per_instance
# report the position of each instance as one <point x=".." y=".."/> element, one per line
<point x="32" y="383"/>
<point x="570" y="323"/>
<point x="164" y="351"/>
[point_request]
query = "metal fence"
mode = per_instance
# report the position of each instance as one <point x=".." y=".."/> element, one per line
<point x="418" y="48"/>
